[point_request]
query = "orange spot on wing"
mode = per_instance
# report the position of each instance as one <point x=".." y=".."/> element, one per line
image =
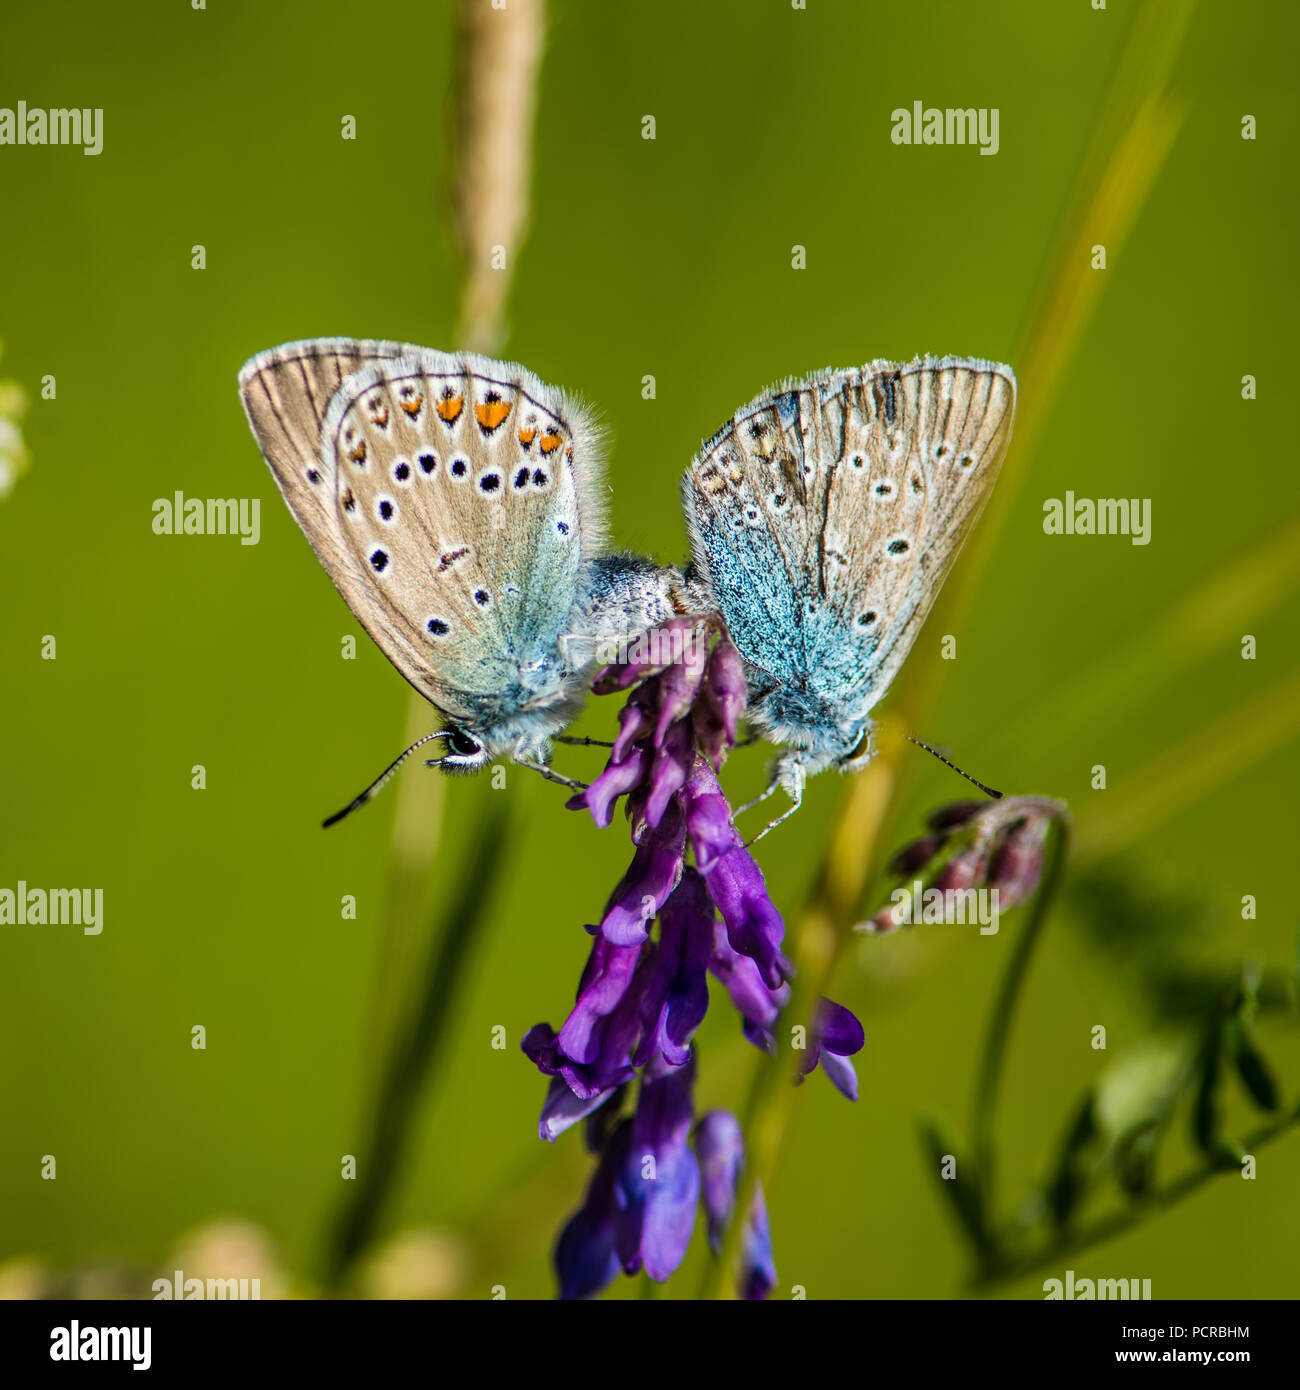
<point x="450" y="407"/>
<point x="491" y="413"/>
<point x="413" y="406"/>
<point x="526" y="437"/>
<point x="358" y="453"/>
<point x="551" y="442"/>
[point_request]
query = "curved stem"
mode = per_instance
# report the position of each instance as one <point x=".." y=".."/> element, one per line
<point x="402" y="1085"/>
<point x="989" y="1076"/>
<point x="1000" y="1271"/>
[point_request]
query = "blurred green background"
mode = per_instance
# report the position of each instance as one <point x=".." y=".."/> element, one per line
<point x="671" y="258"/>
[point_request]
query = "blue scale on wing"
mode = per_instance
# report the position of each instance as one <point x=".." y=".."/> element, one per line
<point x="750" y="537"/>
<point x="543" y="533"/>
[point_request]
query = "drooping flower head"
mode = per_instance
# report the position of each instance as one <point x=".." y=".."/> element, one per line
<point x="643" y="994"/>
<point x="972" y="846"/>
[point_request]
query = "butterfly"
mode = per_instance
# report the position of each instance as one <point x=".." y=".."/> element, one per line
<point x="454" y="501"/>
<point x="824" y="517"/>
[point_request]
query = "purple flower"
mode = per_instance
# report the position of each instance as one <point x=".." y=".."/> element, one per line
<point x="721" y="1149"/>
<point x="757" y="1005"/>
<point x="639" y="1210"/>
<point x="721" y="703"/>
<point x="642" y="996"/>
<point x="657" y="1184"/>
<point x="837" y="1035"/>
<point x="617" y="778"/>
<point x="585" y="1259"/>
<point x="592" y="1051"/>
<point x="974" y="844"/>
<point x="677" y="995"/>
<point x="655" y="871"/>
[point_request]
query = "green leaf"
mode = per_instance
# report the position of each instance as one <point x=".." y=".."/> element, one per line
<point x="1069" y="1181"/>
<point x="1253" y="1070"/>
<point x="1135" y="1158"/>
<point x="1205" y="1112"/>
<point x="1143" y="1083"/>
<point x="963" y="1191"/>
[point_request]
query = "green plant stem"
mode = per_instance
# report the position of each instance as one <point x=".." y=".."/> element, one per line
<point x="413" y="1053"/>
<point x="1203" y="623"/>
<point x="1191" y="769"/>
<point x="993" y="1056"/>
<point x="1071" y="1242"/>
<point x="499" y="55"/>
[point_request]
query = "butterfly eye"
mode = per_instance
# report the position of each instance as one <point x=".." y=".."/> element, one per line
<point x="463" y="745"/>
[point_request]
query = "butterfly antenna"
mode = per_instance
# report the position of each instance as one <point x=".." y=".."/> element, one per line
<point x="997" y="796"/>
<point x="383" y="779"/>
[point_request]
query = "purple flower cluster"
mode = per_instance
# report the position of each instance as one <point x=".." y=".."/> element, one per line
<point x="642" y="997"/>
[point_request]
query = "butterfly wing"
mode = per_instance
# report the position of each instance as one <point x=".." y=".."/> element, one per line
<point x="826" y="515"/>
<point x="450" y="499"/>
<point x="931" y="437"/>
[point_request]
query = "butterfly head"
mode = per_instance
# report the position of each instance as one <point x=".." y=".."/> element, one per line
<point x="819" y="749"/>
<point x="465" y="752"/>
<point x="816" y="731"/>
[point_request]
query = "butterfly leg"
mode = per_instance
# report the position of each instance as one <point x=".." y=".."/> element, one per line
<point x="551" y="775"/>
<point x="582" y="742"/>
<point x="772" y="786"/>
<point x="791" y="774"/>
<point x="796" y="794"/>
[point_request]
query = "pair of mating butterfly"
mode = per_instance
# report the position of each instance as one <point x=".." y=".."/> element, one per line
<point x="455" y="503"/>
